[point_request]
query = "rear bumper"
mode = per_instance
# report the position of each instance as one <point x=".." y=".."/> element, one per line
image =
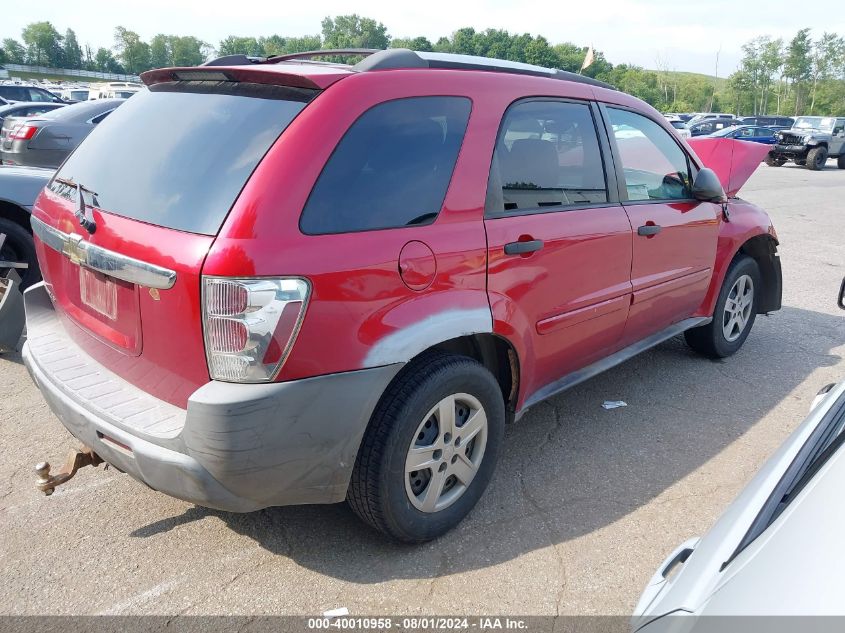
<point x="237" y="447"/>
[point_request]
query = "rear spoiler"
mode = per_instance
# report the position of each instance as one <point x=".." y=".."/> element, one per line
<point x="733" y="161"/>
<point x="255" y="74"/>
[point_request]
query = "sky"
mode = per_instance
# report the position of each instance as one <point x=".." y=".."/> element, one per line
<point x="672" y="34"/>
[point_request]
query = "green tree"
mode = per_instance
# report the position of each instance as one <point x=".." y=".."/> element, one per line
<point x="161" y="55"/>
<point x="412" y="43"/>
<point x="105" y="62"/>
<point x="72" y="51"/>
<point x="234" y="45"/>
<point x="827" y="53"/>
<point x="44" y="44"/>
<point x="799" y="65"/>
<point x="354" y="31"/>
<point x="187" y="50"/>
<point x="278" y="45"/>
<point x="14" y="50"/>
<point x="132" y="51"/>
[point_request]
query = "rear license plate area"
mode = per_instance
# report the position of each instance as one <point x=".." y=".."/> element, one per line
<point x="98" y="292"/>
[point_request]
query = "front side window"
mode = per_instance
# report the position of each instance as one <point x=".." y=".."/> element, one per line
<point x="391" y="169"/>
<point x="547" y="155"/>
<point x="655" y="166"/>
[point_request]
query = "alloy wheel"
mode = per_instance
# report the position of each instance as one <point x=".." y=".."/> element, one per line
<point x="446" y="452"/>
<point x="738" y="308"/>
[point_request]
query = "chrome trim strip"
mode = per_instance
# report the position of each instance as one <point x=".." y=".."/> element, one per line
<point x="103" y="260"/>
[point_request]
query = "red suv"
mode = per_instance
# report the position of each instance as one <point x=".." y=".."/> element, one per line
<point x="287" y="281"/>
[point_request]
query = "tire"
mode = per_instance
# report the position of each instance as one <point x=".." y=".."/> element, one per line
<point x="391" y="497"/>
<point x="801" y="162"/>
<point x="771" y="161"/>
<point x="712" y="340"/>
<point x="817" y="158"/>
<point x="840" y="162"/>
<point x="20" y="247"/>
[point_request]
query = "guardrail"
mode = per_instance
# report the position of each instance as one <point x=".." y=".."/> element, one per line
<point x="67" y="72"/>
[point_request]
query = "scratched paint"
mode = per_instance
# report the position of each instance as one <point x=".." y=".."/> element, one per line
<point x="402" y="345"/>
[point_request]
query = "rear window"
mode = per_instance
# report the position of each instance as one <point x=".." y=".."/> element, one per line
<point x="679" y="125"/>
<point x="177" y="155"/>
<point x="391" y="169"/>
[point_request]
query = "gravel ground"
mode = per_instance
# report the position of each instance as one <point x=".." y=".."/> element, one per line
<point x="584" y="506"/>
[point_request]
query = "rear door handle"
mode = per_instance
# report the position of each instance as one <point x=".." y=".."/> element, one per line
<point x="520" y="248"/>
<point x="649" y="229"/>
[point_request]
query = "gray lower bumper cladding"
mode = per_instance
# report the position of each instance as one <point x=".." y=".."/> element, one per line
<point x="241" y="447"/>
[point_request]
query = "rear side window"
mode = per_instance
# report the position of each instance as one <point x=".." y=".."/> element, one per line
<point x="391" y="168"/>
<point x="177" y="155"/>
<point x="547" y="156"/>
<point x="655" y="166"/>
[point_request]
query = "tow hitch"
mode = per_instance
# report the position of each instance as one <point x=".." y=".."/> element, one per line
<point x="76" y="459"/>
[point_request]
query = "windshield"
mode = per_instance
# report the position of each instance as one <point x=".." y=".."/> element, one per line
<point x="814" y="123"/>
<point x="79" y="95"/>
<point x="177" y="155"/>
<point x="678" y="125"/>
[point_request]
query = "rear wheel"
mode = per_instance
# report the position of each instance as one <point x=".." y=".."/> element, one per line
<point x="734" y="315"/>
<point x="840" y="162"/>
<point x="430" y="449"/>
<point x="771" y="161"/>
<point x="19" y="247"/>
<point x="816" y="158"/>
<point x="801" y="161"/>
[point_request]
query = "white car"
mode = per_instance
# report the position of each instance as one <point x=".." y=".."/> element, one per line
<point x="680" y="127"/>
<point x="778" y="550"/>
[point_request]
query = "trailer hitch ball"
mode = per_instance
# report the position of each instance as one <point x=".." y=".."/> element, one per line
<point x="76" y="459"/>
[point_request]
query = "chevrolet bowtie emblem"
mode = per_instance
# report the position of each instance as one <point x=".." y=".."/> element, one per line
<point x="74" y="250"/>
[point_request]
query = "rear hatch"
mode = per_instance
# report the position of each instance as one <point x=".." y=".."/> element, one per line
<point x="157" y="178"/>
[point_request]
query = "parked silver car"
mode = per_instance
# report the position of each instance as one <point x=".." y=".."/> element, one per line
<point x="46" y="140"/>
<point x="777" y="550"/>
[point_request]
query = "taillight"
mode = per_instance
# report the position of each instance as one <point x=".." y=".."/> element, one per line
<point x="250" y="325"/>
<point x="23" y="132"/>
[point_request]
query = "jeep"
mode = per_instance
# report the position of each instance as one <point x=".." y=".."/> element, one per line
<point x="287" y="281"/>
<point x="810" y="142"/>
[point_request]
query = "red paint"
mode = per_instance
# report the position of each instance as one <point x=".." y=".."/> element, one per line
<point x="417" y="265"/>
<point x="561" y="308"/>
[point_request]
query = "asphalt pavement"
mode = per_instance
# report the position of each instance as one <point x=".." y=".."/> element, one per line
<point x="585" y="504"/>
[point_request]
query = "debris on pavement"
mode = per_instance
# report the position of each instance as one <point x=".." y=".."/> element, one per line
<point x="614" y="404"/>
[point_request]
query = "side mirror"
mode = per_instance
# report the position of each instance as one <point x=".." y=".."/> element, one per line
<point x="842" y="295"/>
<point x="707" y="187"/>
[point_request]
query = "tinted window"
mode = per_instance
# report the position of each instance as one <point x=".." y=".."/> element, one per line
<point x="547" y="155"/>
<point x="679" y="125"/>
<point x="178" y="155"/>
<point x="391" y="168"/>
<point x="15" y="93"/>
<point x="655" y="167"/>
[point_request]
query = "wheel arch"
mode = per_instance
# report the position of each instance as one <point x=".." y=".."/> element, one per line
<point x="763" y="250"/>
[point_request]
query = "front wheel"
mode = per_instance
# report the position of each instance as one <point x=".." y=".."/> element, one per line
<point x="734" y="315"/>
<point x="430" y="449"/>
<point x="817" y="158"/>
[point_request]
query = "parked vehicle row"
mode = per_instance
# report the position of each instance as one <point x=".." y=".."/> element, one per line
<point x="220" y="259"/>
<point x="47" y="139"/>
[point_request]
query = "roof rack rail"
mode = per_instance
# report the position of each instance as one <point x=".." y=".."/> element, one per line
<point x="405" y="58"/>
<point x="398" y="58"/>
<point x="245" y="60"/>
<point x="326" y="52"/>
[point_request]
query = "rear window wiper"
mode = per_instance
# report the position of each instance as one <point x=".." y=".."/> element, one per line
<point x="83" y="212"/>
